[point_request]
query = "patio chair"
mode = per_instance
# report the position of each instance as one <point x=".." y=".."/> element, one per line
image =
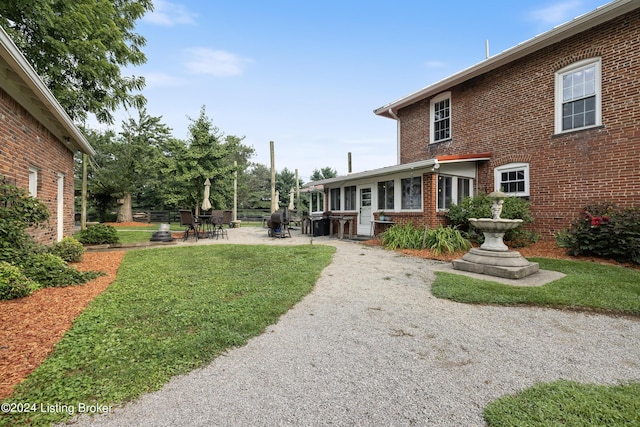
<point x="225" y="220"/>
<point x="189" y="222"/>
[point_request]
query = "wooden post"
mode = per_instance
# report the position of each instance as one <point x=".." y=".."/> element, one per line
<point x="83" y="201"/>
<point x="298" y="210"/>
<point x="235" y="192"/>
<point x="273" y="178"/>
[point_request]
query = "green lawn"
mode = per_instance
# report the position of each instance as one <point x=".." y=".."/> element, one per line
<point x="169" y="311"/>
<point x="587" y="286"/>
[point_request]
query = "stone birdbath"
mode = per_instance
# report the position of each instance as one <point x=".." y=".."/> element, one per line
<point x="494" y="257"/>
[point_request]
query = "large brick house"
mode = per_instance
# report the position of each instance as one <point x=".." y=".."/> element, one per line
<point x="37" y="141"/>
<point x="555" y="119"/>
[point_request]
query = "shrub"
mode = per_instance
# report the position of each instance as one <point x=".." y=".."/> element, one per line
<point x="605" y="231"/>
<point x="51" y="271"/>
<point x="18" y="211"/>
<point x="98" y="234"/>
<point x="69" y="249"/>
<point x="480" y="207"/>
<point x="440" y="240"/>
<point x="14" y="284"/>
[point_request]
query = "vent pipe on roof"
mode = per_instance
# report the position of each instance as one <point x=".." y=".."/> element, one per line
<point x="486" y="49"/>
<point x="349" y="162"/>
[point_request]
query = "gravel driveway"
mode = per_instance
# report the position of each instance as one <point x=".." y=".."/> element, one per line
<point x="371" y="346"/>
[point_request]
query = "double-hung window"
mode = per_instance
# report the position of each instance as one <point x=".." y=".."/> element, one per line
<point x="440" y="113"/>
<point x="578" y="94"/>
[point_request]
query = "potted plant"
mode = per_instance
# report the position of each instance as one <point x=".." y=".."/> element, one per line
<point x="382" y="217"/>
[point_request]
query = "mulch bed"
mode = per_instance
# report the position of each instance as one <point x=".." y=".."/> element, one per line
<point x="31" y="326"/>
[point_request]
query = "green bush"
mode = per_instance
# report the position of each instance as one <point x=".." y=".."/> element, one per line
<point x="51" y="271"/>
<point x="98" y="234"/>
<point x="605" y="231"/>
<point x="480" y="207"/>
<point x="14" y="284"/>
<point x="69" y="249"/>
<point x="18" y="211"/>
<point x="440" y="240"/>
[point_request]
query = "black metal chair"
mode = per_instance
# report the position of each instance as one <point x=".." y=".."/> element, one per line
<point x="189" y="222"/>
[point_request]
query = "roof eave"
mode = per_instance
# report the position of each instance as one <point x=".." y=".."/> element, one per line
<point x="575" y="26"/>
<point x="68" y="132"/>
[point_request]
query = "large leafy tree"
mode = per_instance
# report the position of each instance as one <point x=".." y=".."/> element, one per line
<point x="128" y="165"/>
<point x="79" y="47"/>
<point x="323" y="173"/>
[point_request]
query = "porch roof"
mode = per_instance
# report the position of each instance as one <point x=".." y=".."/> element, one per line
<point x="561" y="32"/>
<point x="433" y="164"/>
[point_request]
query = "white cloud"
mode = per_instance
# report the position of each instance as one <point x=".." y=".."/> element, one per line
<point x="556" y="13"/>
<point x="218" y="63"/>
<point x="169" y="14"/>
<point x="155" y="79"/>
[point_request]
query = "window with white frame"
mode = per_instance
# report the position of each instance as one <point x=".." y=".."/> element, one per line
<point x="334" y="199"/>
<point x="578" y="94"/>
<point x="350" y="201"/>
<point x="452" y="189"/>
<point x="513" y="179"/>
<point x="411" y="193"/>
<point x="385" y="195"/>
<point x="440" y="113"/>
<point x="33" y="182"/>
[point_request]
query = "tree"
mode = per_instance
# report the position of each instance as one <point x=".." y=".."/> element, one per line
<point x="78" y="48"/>
<point x="128" y="164"/>
<point x="324" y="173"/>
<point x="207" y="154"/>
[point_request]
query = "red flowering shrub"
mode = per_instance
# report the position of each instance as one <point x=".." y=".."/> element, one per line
<point x="604" y="230"/>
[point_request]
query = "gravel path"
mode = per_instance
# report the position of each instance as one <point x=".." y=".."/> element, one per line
<point x="371" y="346"/>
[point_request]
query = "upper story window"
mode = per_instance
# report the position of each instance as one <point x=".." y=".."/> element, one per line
<point x="578" y="94"/>
<point x="512" y="179"/>
<point x="440" y="114"/>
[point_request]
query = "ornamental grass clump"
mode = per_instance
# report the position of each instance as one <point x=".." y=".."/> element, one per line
<point x="606" y="231"/>
<point x="440" y="240"/>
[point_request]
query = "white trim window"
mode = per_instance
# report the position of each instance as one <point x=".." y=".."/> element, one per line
<point x="452" y="189"/>
<point x="578" y="96"/>
<point x="440" y="113"/>
<point x="512" y="179"/>
<point x="350" y="200"/>
<point x="411" y="193"/>
<point x="33" y="182"/>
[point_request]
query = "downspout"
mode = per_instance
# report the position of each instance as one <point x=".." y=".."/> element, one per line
<point x="397" y="119"/>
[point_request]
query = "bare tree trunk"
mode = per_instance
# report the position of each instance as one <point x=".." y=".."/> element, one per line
<point x="124" y="209"/>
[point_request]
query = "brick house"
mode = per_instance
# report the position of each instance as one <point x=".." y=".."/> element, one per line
<point x="37" y="141"/>
<point x="555" y="119"/>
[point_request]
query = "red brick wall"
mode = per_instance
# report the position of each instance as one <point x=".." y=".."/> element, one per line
<point x="510" y="113"/>
<point x="25" y="143"/>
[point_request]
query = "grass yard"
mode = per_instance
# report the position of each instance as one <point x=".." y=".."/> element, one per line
<point x="169" y="311"/>
<point x="587" y="286"/>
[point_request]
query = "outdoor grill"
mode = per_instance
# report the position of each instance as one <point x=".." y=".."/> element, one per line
<point x="278" y="223"/>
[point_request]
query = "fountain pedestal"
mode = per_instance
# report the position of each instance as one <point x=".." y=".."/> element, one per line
<point x="494" y="257"/>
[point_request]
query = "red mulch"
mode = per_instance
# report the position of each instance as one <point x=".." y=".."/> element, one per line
<point x="31" y="326"/>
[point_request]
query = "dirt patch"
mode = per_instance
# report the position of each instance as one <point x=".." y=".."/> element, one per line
<point x="31" y="326"/>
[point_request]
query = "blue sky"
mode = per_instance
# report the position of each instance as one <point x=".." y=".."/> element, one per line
<point x="308" y="75"/>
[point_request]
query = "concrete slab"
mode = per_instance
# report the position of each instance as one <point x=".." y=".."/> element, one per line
<point x="542" y="277"/>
